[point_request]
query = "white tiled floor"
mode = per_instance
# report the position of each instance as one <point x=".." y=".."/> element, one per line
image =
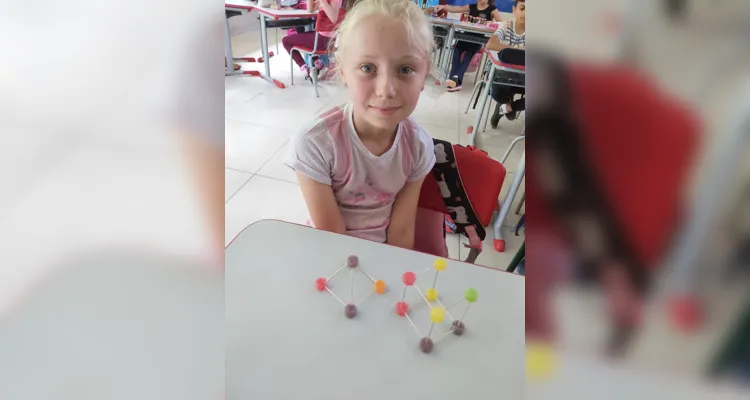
<point x="261" y="117"/>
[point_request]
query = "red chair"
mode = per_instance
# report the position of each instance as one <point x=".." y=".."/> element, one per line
<point x="323" y="24"/>
<point x="482" y="179"/>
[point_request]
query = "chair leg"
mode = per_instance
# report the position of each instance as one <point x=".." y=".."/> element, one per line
<point x="485" y="105"/>
<point x="291" y="65"/>
<point x="489" y="113"/>
<point x="313" y="74"/>
<point x="499" y="242"/>
<point x="481" y="66"/>
<point x="277" y="41"/>
<point x="471" y="99"/>
<point x="520" y="203"/>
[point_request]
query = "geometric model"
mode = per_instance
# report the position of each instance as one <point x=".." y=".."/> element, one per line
<point x="438" y="312"/>
<point x="350" y="309"/>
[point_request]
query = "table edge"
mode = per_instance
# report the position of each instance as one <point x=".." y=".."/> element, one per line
<point x="356" y="238"/>
<point x="270" y="13"/>
<point x="497" y="63"/>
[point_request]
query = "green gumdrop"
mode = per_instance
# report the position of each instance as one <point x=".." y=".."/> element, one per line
<point x="471" y="295"/>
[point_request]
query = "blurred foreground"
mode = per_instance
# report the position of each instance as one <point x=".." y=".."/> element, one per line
<point x="638" y="274"/>
<point x="111" y="235"/>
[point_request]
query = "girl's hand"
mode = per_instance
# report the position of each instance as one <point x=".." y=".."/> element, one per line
<point x="440" y="7"/>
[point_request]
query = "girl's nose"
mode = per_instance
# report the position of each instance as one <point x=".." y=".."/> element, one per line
<point x="386" y="86"/>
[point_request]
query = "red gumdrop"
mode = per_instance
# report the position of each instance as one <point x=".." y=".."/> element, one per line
<point x="320" y="284"/>
<point x="402" y="308"/>
<point x="409" y="278"/>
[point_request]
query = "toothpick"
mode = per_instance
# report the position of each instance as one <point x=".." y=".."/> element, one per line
<point x="423" y="271"/>
<point x="414" y="326"/>
<point x="351" y="299"/>
<point x="430" y="331"/>
<point x="454" y="304"/>
<point x="335" y="273"/>
<point x="423" y="297"/>
<point x="446" y="309"/>
<point x="403" y="295"/>
<point x="366" y="274"/>
<point x="434" y="281"/>
<point x="464" y="314"/>
<point x="445" y="335"/>
<point x="367" y="296"/>
<point x="336" y="297"/>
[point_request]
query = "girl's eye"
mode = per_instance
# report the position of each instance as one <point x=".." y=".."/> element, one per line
<point x="407" y="70"/>
<point x="367" y="68"/>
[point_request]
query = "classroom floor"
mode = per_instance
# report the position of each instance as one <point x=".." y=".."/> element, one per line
<point x="261" y="117"/>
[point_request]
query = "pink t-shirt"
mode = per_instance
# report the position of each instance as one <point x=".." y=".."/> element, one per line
<point x="336" y="6"/>
<point x="365" y="186"/>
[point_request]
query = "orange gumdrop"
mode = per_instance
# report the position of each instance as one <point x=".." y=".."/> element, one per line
<point x="379" y="287"/>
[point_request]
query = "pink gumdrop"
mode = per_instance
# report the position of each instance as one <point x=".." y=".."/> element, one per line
<point x="402" y="308"/>
<point x="409" y="278"/>
<point x="320" y="284"/>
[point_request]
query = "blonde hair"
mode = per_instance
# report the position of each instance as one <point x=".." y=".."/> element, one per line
<point x="418" y="26"/>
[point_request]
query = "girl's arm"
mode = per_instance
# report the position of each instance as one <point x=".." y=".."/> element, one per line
<point x="400" y="231"/>
<point x="453" y="9"/>
<point x="312" y="5"/>
<point x="495" y="44"/>
<point x="496" y="16"/>
<point x="321" y="204"/>
<point x="331" y="8"/>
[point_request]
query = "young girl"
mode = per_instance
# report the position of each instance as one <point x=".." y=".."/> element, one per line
<point x="361" y="165"/>
<point x="329" y="9"/>
<point x="464" y="51"/>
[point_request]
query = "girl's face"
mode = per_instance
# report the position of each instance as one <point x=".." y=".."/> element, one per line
<point x="383" y="72"/>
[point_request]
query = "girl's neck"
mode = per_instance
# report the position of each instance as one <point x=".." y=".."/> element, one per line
<point x="482" y="6"/>
<point x="377" y="140"/>
<point x="519" y="27"/>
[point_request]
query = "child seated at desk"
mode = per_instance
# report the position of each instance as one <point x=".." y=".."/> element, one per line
<point x="361" y="165"/>
<point x="464" y="51"/>
<point x="329" y="9"/>
<point x="510" y="34"/>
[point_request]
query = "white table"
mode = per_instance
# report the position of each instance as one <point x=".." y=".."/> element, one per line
<point x="442" y="69"/>
<point x="265" y="14"/>
<point x="286" y="340"/>
<point x="242" y="6"/>
<point x="583" y="378"/>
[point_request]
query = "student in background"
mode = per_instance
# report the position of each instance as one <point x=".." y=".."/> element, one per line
<point x="328" y="9"/>
<point x="464" y="51"/>
<point x="510" y="34"/>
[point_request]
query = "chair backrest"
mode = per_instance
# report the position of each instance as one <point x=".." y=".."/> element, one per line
<point x="481" y="177"/>
<point x="641" y="162"/>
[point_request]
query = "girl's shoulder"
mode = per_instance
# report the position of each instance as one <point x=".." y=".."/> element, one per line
<point x="416" y="135"/>
<point x="320" y="131"/>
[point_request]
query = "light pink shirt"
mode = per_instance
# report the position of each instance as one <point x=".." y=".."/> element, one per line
<point x="365" y="186"/>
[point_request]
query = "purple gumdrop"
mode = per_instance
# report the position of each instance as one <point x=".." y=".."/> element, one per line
<point x="458" y="328"/>
<point x="350" y="311"/>
<point x="426" y="345"/>
<point x="352" y="261"/>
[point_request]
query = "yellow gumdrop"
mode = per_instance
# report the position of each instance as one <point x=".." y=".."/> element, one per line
<point x="437" y="314"/>
<point x="440" y="264"/>
<point x="431" y="294"/>
<point x="540" y="361"/>
<point x="379" y="287"/>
